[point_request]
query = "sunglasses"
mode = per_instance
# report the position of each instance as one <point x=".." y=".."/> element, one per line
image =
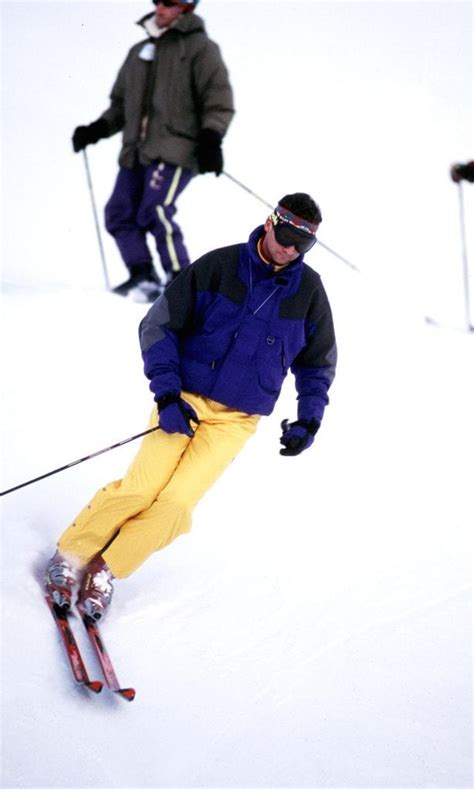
<point x="288" y="236"/>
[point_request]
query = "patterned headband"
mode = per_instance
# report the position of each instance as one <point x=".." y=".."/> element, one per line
<point x="285" y="215"/>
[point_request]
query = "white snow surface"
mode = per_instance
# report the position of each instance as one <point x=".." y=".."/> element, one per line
<point x="315" y="628"/>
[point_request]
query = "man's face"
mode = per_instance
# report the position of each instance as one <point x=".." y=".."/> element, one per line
<point x="166" y="14"/>
<point x="274" y="251"/>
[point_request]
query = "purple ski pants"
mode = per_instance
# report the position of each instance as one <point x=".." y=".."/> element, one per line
<point x="143" y="201"/>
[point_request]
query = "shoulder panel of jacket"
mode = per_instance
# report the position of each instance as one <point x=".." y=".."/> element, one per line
<point x="217" y="272"/>
<point x="321" y="348"/>
<point x="300" y="304"/>
<point x="214" y="272"/>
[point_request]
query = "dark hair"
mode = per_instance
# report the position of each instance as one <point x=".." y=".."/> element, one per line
<point x="303" y="206"/>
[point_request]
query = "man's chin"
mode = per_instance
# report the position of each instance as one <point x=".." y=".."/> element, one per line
<point x="282" y="260"/>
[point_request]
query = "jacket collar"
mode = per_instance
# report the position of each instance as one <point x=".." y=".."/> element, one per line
<point x="186" y="23"/>
<point x="257" y="260"/>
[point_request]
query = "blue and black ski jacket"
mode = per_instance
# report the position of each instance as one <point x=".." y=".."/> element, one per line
<point x="229" y="328"/>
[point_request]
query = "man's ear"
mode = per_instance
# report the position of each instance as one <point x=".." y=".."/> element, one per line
<point x="268" y="224"/>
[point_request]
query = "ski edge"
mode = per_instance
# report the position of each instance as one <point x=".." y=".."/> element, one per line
<point x="73" y="653"/>
<point x="103" y="657"/>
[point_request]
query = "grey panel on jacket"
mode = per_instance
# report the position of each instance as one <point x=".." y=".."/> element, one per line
<point x="150" y="330"/>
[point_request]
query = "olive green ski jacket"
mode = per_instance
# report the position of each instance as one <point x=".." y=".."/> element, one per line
<point x="169" y="88"/>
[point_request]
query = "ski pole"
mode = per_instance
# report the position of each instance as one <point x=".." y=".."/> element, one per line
<point x="96" y="220"/>
<point x="81" y="460"/>
<point x="246" y="188"/>
<point x="269" y="205"/>
<point x="467" y="305"/>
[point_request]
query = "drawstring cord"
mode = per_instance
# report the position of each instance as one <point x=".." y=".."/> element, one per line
<point x="254" y="312"/>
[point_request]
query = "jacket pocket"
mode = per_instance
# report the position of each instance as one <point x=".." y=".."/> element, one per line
<point x="189" y="133"/>
<point x="271" y="364"/>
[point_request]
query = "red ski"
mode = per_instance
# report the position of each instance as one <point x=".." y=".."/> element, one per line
<point x="104" y="658"/>
<point x="76" y="662"/>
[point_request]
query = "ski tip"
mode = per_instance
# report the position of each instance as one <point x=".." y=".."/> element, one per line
<point x="127" y="693"/>
<point x="95" y="686"/>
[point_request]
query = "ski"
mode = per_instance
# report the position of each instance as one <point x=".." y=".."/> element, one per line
<point x="76" y="662"/>
<point x="103" y="657"/>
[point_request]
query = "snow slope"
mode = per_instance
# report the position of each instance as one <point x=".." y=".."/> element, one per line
<point x="314" y="629"/>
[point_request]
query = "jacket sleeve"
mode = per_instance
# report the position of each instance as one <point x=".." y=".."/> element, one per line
<point x="213" y="89"/>
<point x="114" y="115"/>
<point x="160" y="332"/>
<point x="315" y="366"/>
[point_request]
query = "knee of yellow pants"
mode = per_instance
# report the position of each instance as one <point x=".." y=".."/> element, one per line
<point x="151" y="531"/>
<point x="170" y="516"/>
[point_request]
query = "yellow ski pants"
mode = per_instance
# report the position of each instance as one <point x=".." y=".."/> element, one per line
<point x="131" y="518"/>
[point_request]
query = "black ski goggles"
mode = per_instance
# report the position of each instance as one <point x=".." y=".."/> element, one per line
<point x="287" y="235"/>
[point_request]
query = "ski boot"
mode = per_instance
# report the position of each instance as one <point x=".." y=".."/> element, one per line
<point x="96" y="590"/>
<point x="60" y="580"/>
<point x="142" y="286"/>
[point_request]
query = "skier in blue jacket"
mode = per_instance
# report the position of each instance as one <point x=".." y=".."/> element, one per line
<point x="217" y="346"/>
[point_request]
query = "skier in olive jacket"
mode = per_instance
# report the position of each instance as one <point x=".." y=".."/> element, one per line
<point x="173" y="102"/>
<point x="217" y="346"/>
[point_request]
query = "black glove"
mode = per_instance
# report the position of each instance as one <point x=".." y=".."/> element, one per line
<point x="209" y="152"/>
<point x="87" y="135"/>
<point x="298" y="436"/>
<point x="463" y="172"/>
<point x="175" y="415"/>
